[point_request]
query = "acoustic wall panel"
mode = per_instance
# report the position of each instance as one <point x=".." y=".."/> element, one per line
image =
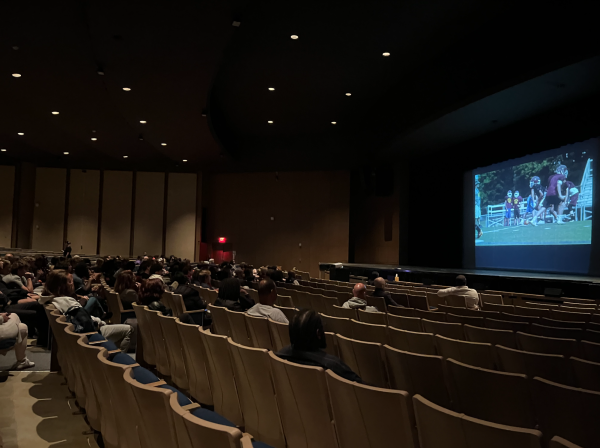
<point x="84" y="194"/>
<point x="149" y="205"/>
<point x="49" y="211"/>
<point x="181" y="215"/>
<point x="115" y="228"/>
<point x="7" y="174"/>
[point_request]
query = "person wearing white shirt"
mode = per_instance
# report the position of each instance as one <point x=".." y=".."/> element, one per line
<point x="462" y="290"/>
<point x="267" y="295"/>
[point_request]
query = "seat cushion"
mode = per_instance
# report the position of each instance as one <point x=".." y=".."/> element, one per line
<point x="95" y="337"/>
<point x="211" y="416"/>
<point x="108" y="345"/>
<point x="256" y="444"/>
<point x="122" y="358"/>
<point x="144" y="376"/>
<point x="181" y="398"/>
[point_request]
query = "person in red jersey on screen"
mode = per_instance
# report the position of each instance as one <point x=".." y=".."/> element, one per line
<point x="517" y="201"/>
<point x="555" y="199"/>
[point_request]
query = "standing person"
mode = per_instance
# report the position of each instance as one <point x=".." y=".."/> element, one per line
<point x="477" y="208"/>
<point x="508" y="205"/>
<point x="554" y="195"/>
<point x="517" y="200"/>
<point x="67" y="250"/>
<point x="461" y="289"/>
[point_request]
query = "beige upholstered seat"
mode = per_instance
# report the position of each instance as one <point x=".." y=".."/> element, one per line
<point x="542" y="344"/>
<point x="364" y="358"/>
<point x="442" y="428"/>
<point x="304" y="406"/>
<point x="500" y="308"/>
<point x="494" y="299"/>
<point x="116" y="307"/>
<point x="559" y="442"/>
<point x="280" y="334"/>
<point x="560" y="323"/>
<point x="179" y="375"/>
<point x="550" y="367"/>
<point x="346" y="313"/>
<point x="288" y="312"/>
<point x="196" y="362"/>
<point x="144" y="334"/>
<point x="331" y="344"/>
<point x="587" y="374"/>
<point x="377" y="302"/>
<point x="284" y="300"/>
<point x="369" y="332"/>
<point x="364" y="416"/>
<point x="453" y="331"/>
<point x="254" y="384"/>
<point x="472" y="353"/>
<point x="372" y="318"/>
<point x="162" y="359"/>
<point x="431" y="315"/>
<point x="401" y="311"/>
<point x="167" y="300"/>
<point x="470" y="320"/>
<point x="220" y="322"/>
<point x="418" y="374"/>
<point x="495" y="324"/>
<point x="258" y="328"/>
<point x="590" y="351"/>
<point x="239" y="329"/>
<point x="337" y="325"/>
<point x="411" y="341"/>
<point x="418" y="302"/>
<point x="405" y="323"/>
<point x="520" y="318"/>
<point x="497" y="397"/>
<point x="557" y="332"/>
<point x="566" y="315"/>
<point x="490" y="336"/>
<point x="567" y="412"/>
<point x="222" y="383"/>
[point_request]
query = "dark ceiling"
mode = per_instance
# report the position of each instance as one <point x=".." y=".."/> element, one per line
<point x="181" y="58"/>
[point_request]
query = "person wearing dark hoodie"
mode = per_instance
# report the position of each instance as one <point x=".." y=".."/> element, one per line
<point x="231" y="296"/>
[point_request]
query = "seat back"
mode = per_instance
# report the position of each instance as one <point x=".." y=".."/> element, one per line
<point x="543" y="344"/>
<point x="196" y="362"/>
<point x="587" y="374"/>
<point x="284" y="300"/>
<point x="178" y="305"/>
<point x="497" y="397"/>
<point x="418" y="302"/>
<point x="557" y="332"/>
<point x="254" y="384"/>
<point x="494" y="299"/>
<point x="411" y="341"/>
<point x="363" y="415"/>
<point x="550" y="367"/>
<point x="372" y="318"/>
<point x="401" y="311"/>
<point x="559" y="442"/>
<point x="431" y="315"/>
<point x="369" y="332"/>
<point x="472" y="353"/>
<point x="258" y="328"/>
<point x="399" y="297"/>
<point x="144" y="334"/>
<point x="532" y="311"/>
<point x="590" y="351"/>
<point x="162" y="358"/>
<point x="561" y="323"/>
<point x="364" y="358"/>
<point x="239" y="330"/>
<point x="405" y="323"/>
<point x="280" y="334"/>
<point x="337" y="325"/>
<point x="456" y="301"/>
<point x="490" y="336"/>
<point x="346" y="313"/>
<point x="569" y="316"/>
<point x="499" y="308"/>
<point x="450" y="330"/>
<point x="418" y="374"/>
<point x="167" y="300"/>
<point x="220" y="322"/>
<point x="474" y="321"/>
<point x="174" y="351"/>
<point x="289" y="313"/>
<point x="115" y="305"/>
<point x="496" y="324"/>
<point x="222" y="383"/>
<point x="303" y="402"/>
<point x="377" y="302"/>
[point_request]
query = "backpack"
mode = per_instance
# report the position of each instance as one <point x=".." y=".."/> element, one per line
<point x="81" y="320"/>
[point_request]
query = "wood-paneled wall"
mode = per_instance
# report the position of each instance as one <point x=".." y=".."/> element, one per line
<point x="49" y="211"/>
<point x="115" y="231"/>
<point x="7" y="174"/>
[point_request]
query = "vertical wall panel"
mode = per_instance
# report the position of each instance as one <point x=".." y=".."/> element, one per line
<point x="7" y="174"/>
<point x="181" y="215"/>
<point x="116" y="213"/>
<point x="149" y="205"/>
<point x="82" y="229"/>
<point x="49" y="210"/>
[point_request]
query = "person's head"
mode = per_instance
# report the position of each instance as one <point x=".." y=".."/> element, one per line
<point x="204" y="277"/>
<point x="267" y="292"/>
<point x="379" y="283"/>
<point x="151" y="290"/>
<point x="291" y="275"/>
<point x="270" y="273"/>
<point x="461" y="280"/>
<point x="211" y="261"/>
<point x="180" y="278"/>
<point x="63" y="265"/>
<point x="59" y="284"/>
<point x="125" y="280"/>
<point x="156" y="268"/>
<point x="82" y="271"/>
<point x="360" y="291"/>
<point x="229" y="289"/>
<point x="19" y="267"/>
<point x="277" y="275"/>
<point x="306" y="331"/>
<point x="239" y="273"/>
<point x="129" y="266"/>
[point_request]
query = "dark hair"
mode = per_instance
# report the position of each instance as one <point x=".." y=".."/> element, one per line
<point x="306" y="331"/>
<point x="129" y="266"/>
<point x="57" y="284"/>
<point x="82" y="271"/>
<point x="125" y="280"/>
<point x="53" y="260"/>
<point x="159" y="306"/>
<point x="156" y="267"/>
<point x="62" y="265"/>
<point x="265" y="287"/>
<point x="229" y="289"/>
<point x="151" y="290"/>
<point x="461" y="280"/>
<point x="19" y="264"/>
<point x="180" y="278"/>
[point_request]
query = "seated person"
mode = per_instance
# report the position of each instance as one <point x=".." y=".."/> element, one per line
<point x="156" y="271"/>
<point x="267" y="296"/>
<point x="82" y="282"/>
<point x="151" y="291"/>
<point x="380" y="291"/>
<point x="19" y="276"/>
<point x="127" y="289"/>
<point x="202" y="278"/>
<point x="14" y="334"/>
<point x="232" y="296"/>
<point x="359" y="301"/>
<point x="291" y="278"/>
<point x="191" y="297"/>
<point x="60" y="285"/>
<point x="461" y="289"/>
<point x="307" y="343"/>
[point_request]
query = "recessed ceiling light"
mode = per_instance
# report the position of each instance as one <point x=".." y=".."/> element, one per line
<point x="94" y="139"/>
<point x="66" y="153"/>
<point x="125" y="157"/>
<point x="3" y="150"/>
<point x="143" y="121"/>
<point x="386" y="54"/>
<point x="127" y="89"/>
<point x="294" y="36"/>
<point x="16" y="75"/>
<point x="270" y="122"/>
<point x="20" y="133"/>
<point x="348" y="94"/>
<point x="164" y="144"/>
<point x="184" y="160"/>
<point x="55" y="113"/>
<point x="15" y="47"/>
<point x="271" y="88"/>
<point x="333" y="122"/>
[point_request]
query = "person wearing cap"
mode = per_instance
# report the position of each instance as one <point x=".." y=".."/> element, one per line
<point x="461" y="289"/>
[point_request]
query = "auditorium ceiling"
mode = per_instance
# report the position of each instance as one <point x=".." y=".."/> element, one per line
<point x="224" y="86"/>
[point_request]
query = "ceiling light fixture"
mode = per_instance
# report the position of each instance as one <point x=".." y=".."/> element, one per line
<point x="271" y="88"/>
<point x="143" y="121"/>
<point x="164" y="144"/>
<point x="15" y="47"/>
<point x="184" y="160"/>
<point x="294" y="37"/>
<point x="348" y="94"/>
<point x="16" y="75"/>
<point x="94" y="139"/>
<point x="270" y="122"/>
<point x="55" y="113"/>
<point x="3" y="150"/>
<point x="66" y="153"/>
<point x="127" y="89"/>
<point x="386" y="54"/>
<point x="125" y="157"/>
<point x="334" y="122"/>
<point x="21" y="133"/>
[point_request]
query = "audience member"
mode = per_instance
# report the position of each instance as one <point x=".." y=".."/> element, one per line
<point x="381" y="292"/>
<point x="231" y="297"/>
<point x="191" y="297"/>
<point x="372" y="277"/>
<point x="14" y="333"/>
<point x="359" y="300"/>
<point x="156" y="271"/>
<point x="267" y="296"/>
<point x="307" y="343"/>
<point x="127" y="288"/>
<point x="202" y="278"/>
<point x="19" y="276"/>
<point x="461" y="289"/>
<point x="151" y="290"/>
<point x="291" y="278"/>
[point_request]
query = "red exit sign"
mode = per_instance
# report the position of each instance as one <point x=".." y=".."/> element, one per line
<point x="222" y="239"/>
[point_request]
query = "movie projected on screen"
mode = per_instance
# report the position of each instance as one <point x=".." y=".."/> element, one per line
<point x="542" y="201"/>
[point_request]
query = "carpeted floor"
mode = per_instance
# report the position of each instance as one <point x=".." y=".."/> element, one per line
<point x="39" y="355"/>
